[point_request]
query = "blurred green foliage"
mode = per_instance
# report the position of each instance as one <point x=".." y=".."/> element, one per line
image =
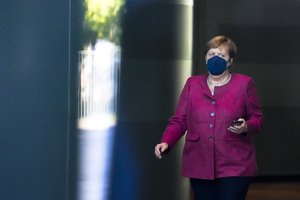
<point x="102" y="20"/>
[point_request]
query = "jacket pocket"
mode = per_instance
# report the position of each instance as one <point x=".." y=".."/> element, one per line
<point x="190" y="136"/>
<point x="236" y="137"/>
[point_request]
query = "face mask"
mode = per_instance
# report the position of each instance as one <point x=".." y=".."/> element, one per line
<point x="216" y="65"/>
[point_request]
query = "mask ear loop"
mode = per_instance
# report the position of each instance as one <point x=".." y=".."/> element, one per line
<point x="230" y="61"/>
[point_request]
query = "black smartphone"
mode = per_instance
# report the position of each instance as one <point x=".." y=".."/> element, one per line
<point x="237" y="123"/>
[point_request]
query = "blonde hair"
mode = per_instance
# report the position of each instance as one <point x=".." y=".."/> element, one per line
<point x="221" y="40"/>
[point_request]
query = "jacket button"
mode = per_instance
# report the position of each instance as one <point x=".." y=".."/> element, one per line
<point x="212" y="114"/>
<point x="211" y="125"/>
<point x="213" y="102"/>
<point x="211" y="138"/>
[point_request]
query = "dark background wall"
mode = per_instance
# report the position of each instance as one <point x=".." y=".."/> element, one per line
<point x="35" y="115"/>
<point x="266" y="33"/>
<point x="37" y="78"/>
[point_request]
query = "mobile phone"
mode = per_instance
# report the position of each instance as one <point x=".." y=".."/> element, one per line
<point x="237" y="123"/>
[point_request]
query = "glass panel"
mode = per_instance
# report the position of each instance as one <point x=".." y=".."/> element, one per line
<point x="98" y="86"/>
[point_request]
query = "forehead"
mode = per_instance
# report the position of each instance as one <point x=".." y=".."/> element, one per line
<point x="222" y="49"/>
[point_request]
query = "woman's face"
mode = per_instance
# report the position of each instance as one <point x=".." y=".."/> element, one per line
<point x="220" y="51"/>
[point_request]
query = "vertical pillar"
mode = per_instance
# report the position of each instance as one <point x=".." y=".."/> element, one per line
<point x="156" y="60"/>
<point x="36" y="94"/>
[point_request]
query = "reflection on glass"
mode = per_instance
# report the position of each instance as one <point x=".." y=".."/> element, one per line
<point x="99" y="74"/>
<point x="99" y="67"/>
<point x="101" y="20"/>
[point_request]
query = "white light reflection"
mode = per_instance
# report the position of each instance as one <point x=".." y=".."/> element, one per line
<point x="97" y="93"/>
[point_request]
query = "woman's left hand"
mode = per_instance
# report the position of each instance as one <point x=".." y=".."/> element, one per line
<point x="238" y="129"/>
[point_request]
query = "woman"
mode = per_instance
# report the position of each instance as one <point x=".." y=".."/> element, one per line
<point x="219" y="112"/>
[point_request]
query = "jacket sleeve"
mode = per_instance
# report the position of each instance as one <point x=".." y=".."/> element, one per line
<point x="255" y="118"/>
<point x="177" y="125"/>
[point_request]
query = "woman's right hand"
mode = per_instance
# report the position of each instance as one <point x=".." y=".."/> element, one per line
<point x="160" y="149"/>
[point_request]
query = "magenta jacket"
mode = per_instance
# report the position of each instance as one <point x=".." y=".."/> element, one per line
<point x="210" y="150"/>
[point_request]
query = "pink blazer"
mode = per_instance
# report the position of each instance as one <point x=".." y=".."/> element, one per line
<point x="210" y="150"/>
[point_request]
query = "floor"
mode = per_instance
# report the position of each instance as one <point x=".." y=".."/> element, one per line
<point x="274" y="191"/>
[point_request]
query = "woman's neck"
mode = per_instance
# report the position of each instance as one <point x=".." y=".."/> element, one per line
<point x="213" y="81"/>
<point x="219" y="79"/>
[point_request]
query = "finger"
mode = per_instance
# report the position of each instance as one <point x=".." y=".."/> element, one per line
<point x="233" y="129"/>
<point x="157" y="150"/>
<point x="158" y="156"/>
<point x="163" y="148"/>
<point x="243" y="120"/>
<point x="157" y="153"/>
<point x="238" y="127"/>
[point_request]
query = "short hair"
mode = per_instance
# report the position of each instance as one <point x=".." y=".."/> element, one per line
<point x="221" y="40"/>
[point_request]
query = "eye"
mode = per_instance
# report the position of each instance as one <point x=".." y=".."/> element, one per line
<point x="220" y="54"/>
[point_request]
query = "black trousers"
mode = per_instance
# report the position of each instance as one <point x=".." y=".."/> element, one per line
<point x="229" y="188"/>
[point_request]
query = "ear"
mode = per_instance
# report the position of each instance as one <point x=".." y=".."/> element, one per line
<point x="205" y="58"/>
<point x="230" y="61"/>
